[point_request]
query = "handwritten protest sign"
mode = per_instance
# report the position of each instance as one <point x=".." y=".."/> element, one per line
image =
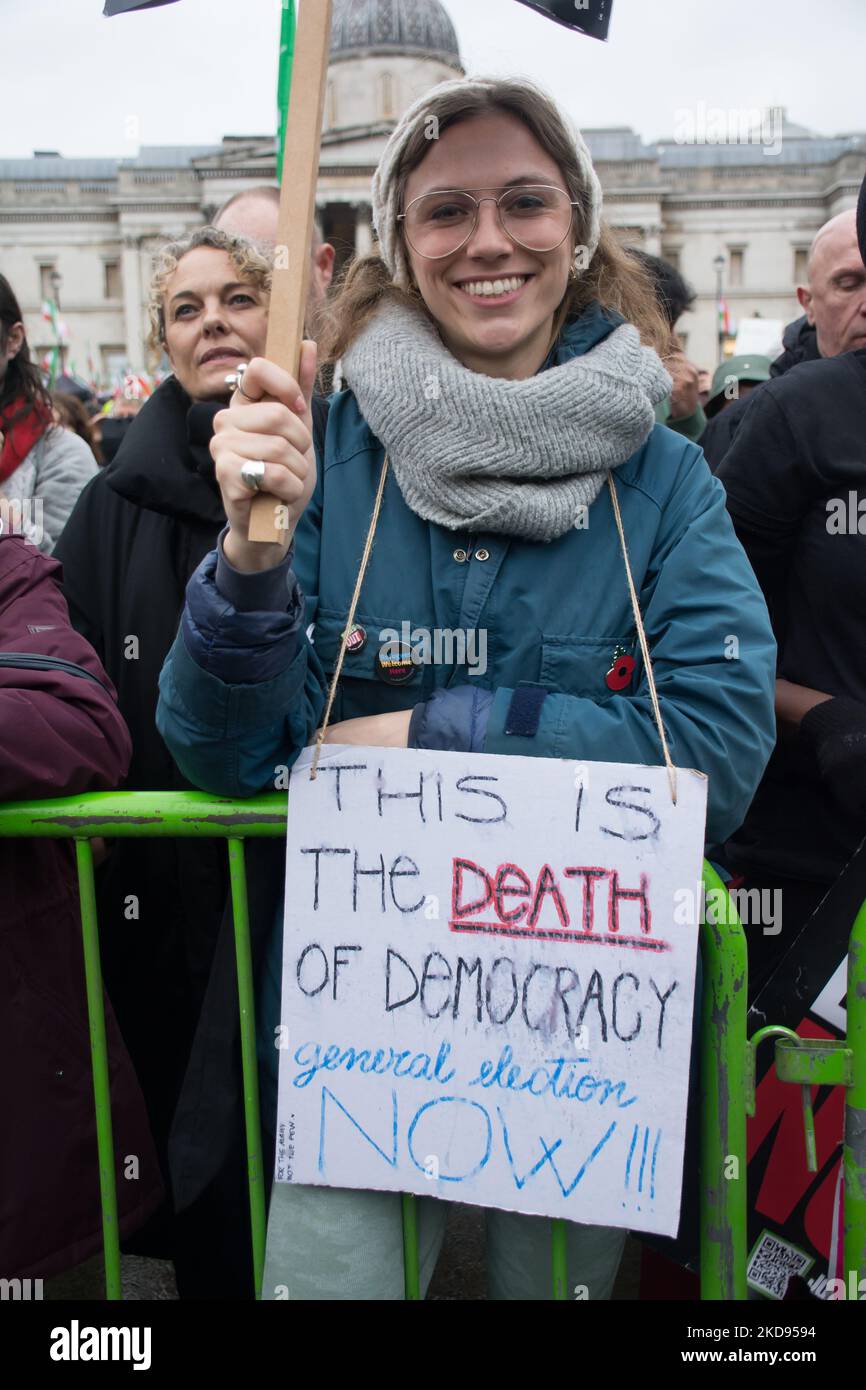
<point x="487" y="992"/>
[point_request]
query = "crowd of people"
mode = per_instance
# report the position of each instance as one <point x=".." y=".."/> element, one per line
<point x="174" y="653"/>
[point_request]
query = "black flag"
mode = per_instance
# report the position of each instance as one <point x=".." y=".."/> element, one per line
<point x="590" y="17"/>
<point x="126" y="6"/>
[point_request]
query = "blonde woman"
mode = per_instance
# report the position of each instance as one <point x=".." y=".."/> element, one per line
<point x="137" y="534"/>
<point x="499" y="349"/>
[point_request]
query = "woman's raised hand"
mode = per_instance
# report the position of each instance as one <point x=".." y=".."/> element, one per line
<point x="270" y="420"/>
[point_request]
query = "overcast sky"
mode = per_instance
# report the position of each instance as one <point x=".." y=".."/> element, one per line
<point x="200" y="69"/>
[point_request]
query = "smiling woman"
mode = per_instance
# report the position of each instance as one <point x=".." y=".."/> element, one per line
<point x="498" y="427"/>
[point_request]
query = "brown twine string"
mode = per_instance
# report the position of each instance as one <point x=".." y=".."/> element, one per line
<point x="644" y="646"/>
<point x="344" y="642"/>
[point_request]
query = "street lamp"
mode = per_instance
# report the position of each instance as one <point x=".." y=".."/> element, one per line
<point x="719" y="264"/>
<point x="56" y="282"/>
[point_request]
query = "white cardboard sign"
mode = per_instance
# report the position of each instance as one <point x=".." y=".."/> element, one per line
<point x="487" y="994"/>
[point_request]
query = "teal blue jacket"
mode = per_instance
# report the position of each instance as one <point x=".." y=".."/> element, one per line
<point x="244" y="687"/>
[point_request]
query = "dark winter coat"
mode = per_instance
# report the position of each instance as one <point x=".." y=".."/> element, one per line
<point x="136" y="535"/>
<point x="60" y="734"/>
<point x="138" y="532"/>
<point x="796" y="487"/>
<point x="800" y="341"/>
<point x="800" y="344"/>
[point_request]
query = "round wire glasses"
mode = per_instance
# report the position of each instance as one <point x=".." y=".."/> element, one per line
<point x="536" y="216"/>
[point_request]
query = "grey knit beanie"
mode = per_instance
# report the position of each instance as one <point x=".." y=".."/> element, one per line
<point x="384" y="190"/>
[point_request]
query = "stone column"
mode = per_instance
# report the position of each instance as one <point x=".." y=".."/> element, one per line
<point x="363" y="229"/>
<point x="132" y="302"/>
<point x="653" y="238"/>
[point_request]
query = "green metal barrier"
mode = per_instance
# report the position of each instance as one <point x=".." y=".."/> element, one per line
<point x="724" y="1010"/>
<point x="726" y="1055"/>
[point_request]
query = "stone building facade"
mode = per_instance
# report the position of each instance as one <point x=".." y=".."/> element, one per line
<point x="755" y="200"/>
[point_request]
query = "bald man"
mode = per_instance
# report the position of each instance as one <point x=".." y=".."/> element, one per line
<point x="253" y="214"/>
<point x="835" y="297"/>
<point x="834" y="300"/>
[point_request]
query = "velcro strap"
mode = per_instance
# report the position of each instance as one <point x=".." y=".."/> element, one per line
<point x="524" y="712"/>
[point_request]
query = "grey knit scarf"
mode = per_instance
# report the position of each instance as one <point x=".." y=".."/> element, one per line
<point x="477" y="453"/>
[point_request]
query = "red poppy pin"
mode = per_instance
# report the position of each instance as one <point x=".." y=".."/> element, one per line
<point x="622" y="670"/>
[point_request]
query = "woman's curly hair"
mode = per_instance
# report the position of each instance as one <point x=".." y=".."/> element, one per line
<point x="254" y="267"/>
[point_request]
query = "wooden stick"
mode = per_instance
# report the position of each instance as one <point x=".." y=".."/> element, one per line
<point x="291" y="279"/>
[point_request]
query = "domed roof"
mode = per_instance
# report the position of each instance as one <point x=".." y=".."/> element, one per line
<point x="405" y="25"/>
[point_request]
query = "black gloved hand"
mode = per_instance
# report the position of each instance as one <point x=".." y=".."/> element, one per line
<point x="834" y="733"/>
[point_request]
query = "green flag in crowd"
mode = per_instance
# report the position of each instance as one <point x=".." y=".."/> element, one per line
<point x="284" y="79"/>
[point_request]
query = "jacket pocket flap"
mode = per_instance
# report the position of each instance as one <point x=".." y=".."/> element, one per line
<point x="581" y="665"/>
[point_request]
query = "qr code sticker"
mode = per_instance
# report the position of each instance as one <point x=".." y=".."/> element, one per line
<point x="772" y="1263"/>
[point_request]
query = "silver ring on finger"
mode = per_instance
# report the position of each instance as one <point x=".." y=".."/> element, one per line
<point x="252" y="474"/>
<point x="236" y="379"/>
